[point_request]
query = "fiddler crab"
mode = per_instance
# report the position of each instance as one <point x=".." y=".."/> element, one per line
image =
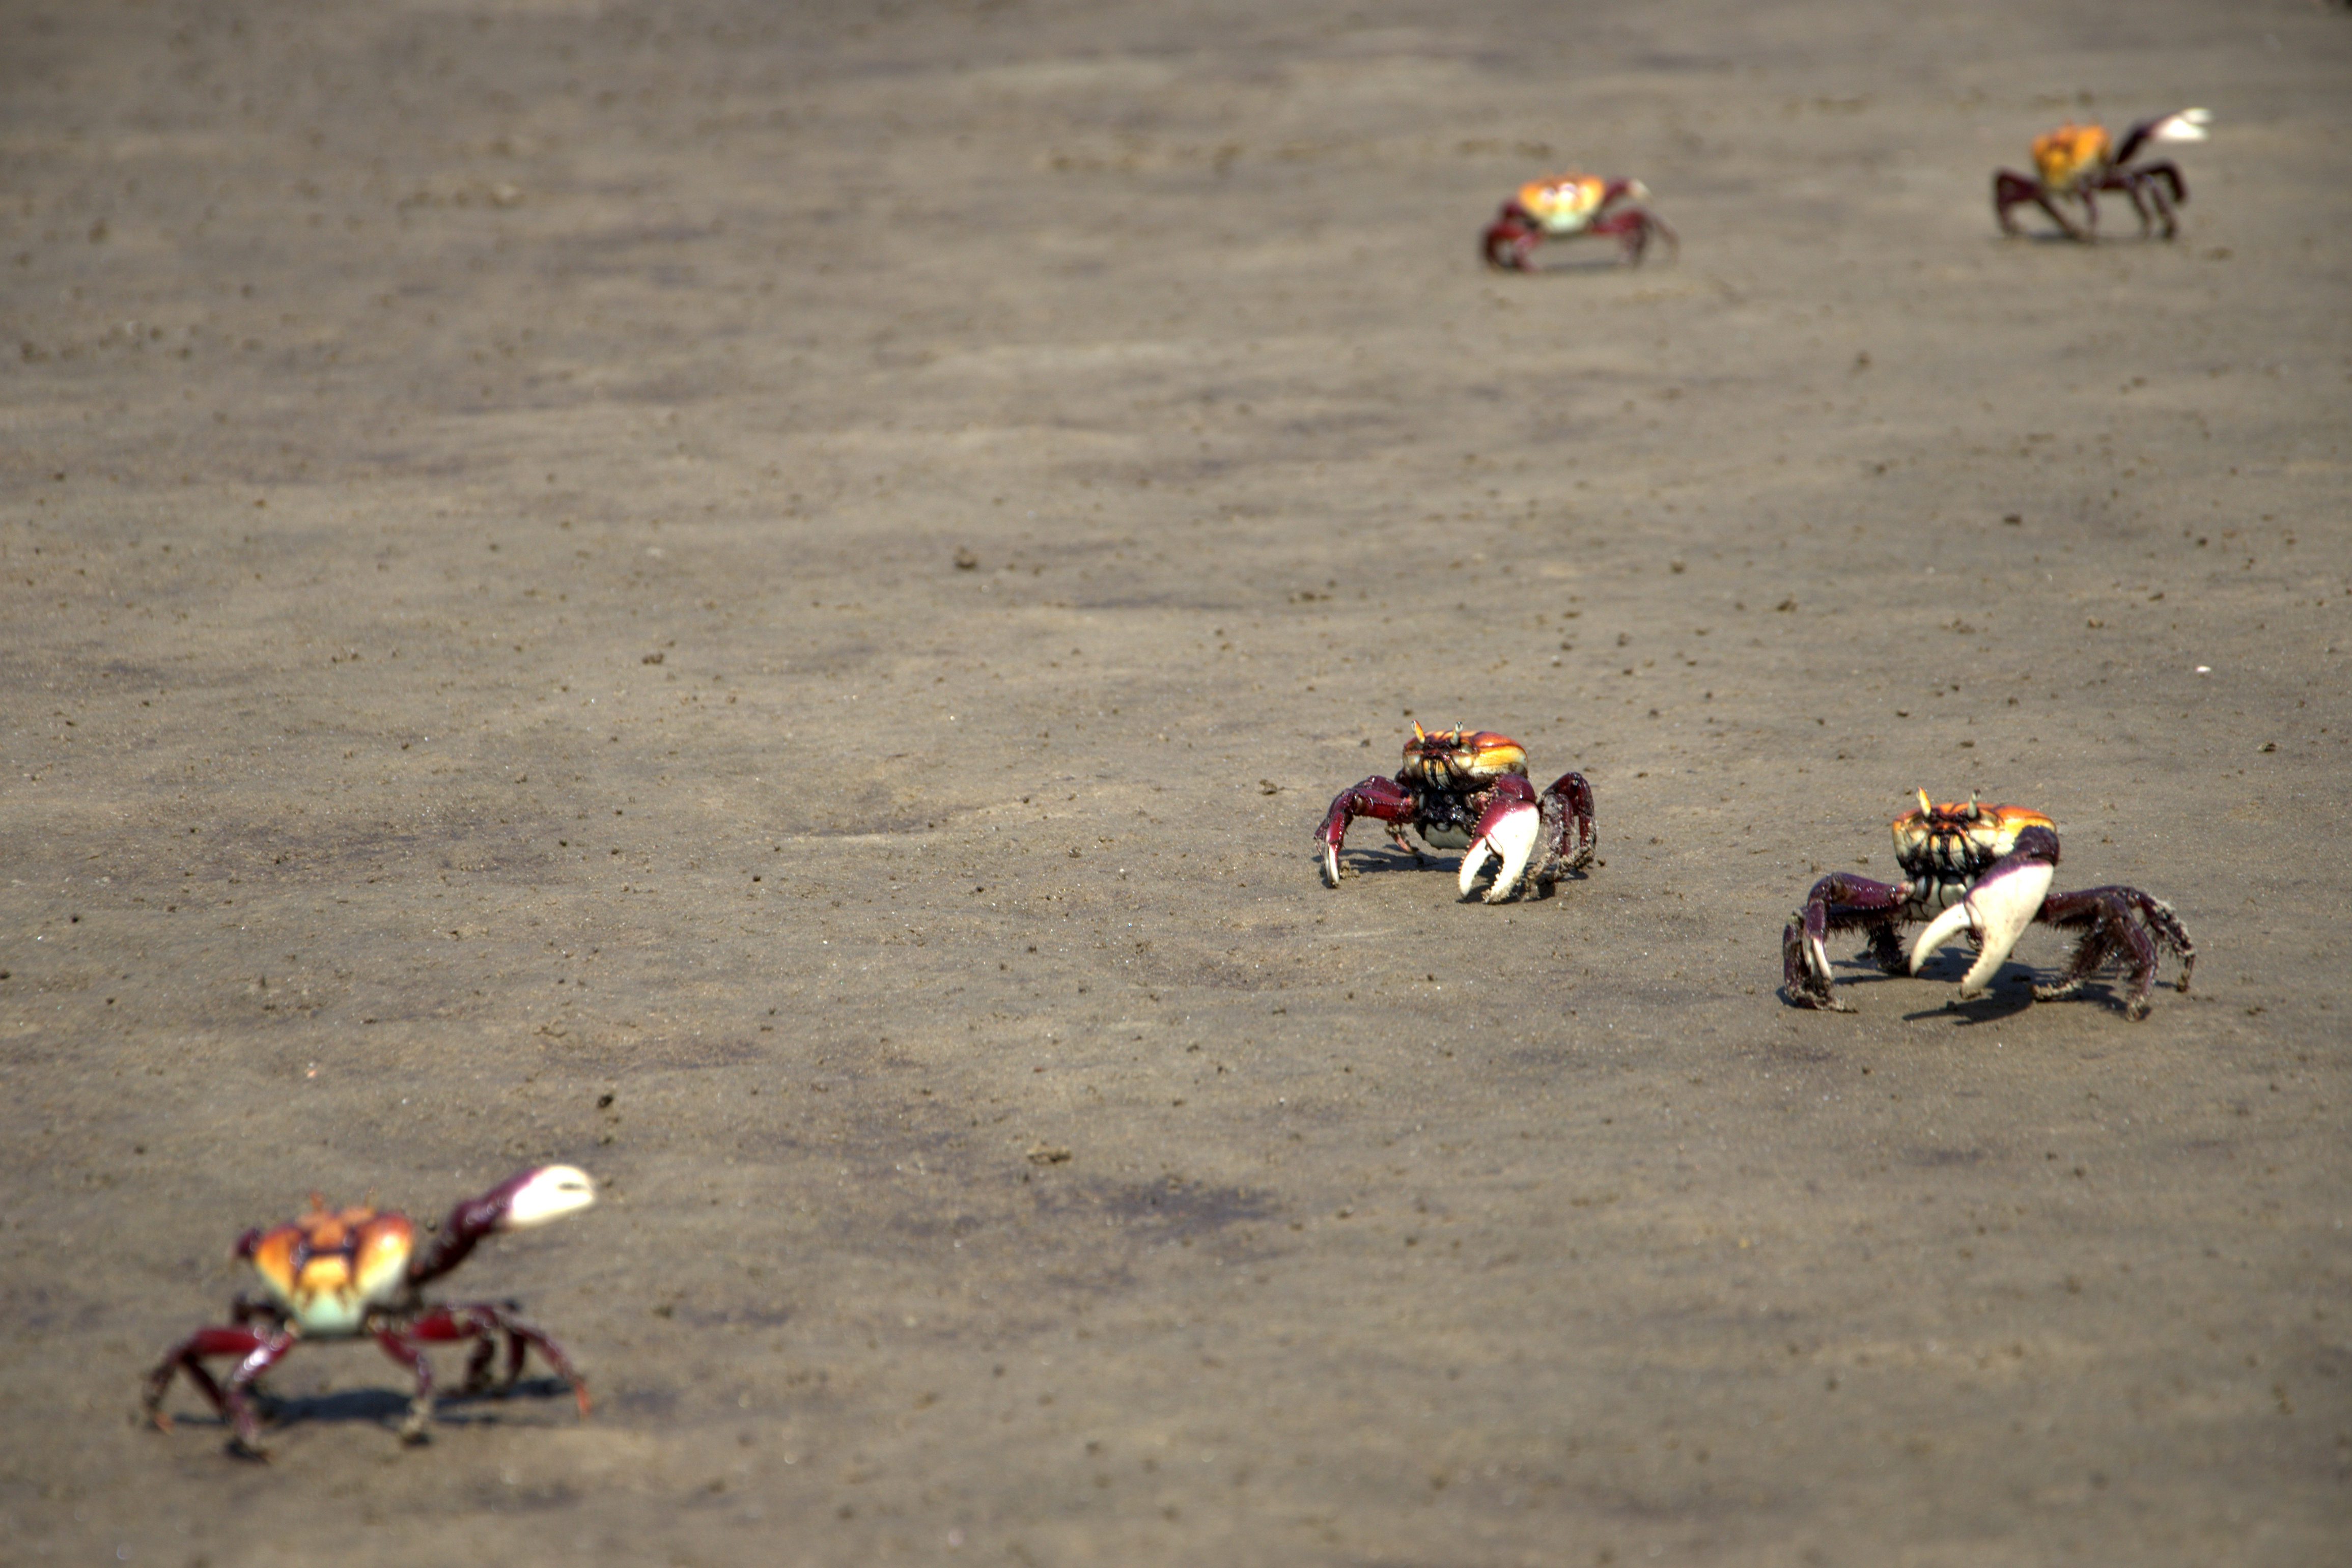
<point x="1565" y="207"/>
<point x="1984" y="870"/>
<point x="340" y="1274"/>
<point x="1468" y="789"/>
<point x="2075" y="162"/>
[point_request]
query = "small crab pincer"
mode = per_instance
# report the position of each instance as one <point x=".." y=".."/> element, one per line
<point x="341" y="1274"/>
<point x="1566" y="205"/>
<point x="1984" y="870"/>
<point x="2073" y="164"/>
<point x="1468" y="790"/>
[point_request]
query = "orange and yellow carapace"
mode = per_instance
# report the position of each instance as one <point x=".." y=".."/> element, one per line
<point x="2063" y="157"/>
<point x="327" y="1269"/>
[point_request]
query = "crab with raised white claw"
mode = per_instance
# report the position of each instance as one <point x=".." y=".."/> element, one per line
<point x="1984" y="870"/>
<point x="1468" y="790"/>
<point x="2075" y="162"/>
<point x="344" y="1274"/>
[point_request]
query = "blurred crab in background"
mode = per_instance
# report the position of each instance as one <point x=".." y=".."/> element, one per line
<point x="1985" y="870"/>
<point x="2075" y="162"/>
<point x="1565" y="207"/>
<point x="339" y="1274"/>
<point x="1468" y="790"/>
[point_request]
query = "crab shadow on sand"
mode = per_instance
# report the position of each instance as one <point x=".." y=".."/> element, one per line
<point x="1388" y="859"/>
<point x="385" y="1407"/>
<point x="2009" y="996"/>
<point x="1583" y="266"/>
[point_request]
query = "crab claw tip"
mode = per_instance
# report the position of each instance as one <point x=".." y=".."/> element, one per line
<point x="1958" y="918"/>
<point x="2189" y="125"/>
<point x="1330" y="867"/>
<point x="548" y="1194"/>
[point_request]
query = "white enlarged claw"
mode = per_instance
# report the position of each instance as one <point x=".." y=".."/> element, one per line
<point x="1511" y="832"/>
<point x="1331" y="865"/>
<point x="2189" y="125"/>
<point x="1997" y="910"/>
<point x="549" y="1194"/>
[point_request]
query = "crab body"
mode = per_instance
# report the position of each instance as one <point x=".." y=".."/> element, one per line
<point x="1468" y="789"/>
<point x="341" y="1274"/>
<point x="327" y="1271"/>
<point x="1565" y="207"/>
<point x="2075" y="162"/>
<point x="1942" y="850"/>
<point x="1985" y="870"/>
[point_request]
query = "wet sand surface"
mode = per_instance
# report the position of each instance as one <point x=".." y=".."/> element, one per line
<point x="766" y="601"/>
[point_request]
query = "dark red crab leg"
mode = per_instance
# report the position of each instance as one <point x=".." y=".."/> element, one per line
<point x="257" y="1353"/>
<point x="2117" y="922"/>
<point x="1386" y="799"/>
<point x="416" y="1428"/>
<point x="2145" y="188"/>
<point x="1572" y="837"/>
<point x="2011" y="189"/>
<point x="1511" y="239"/>
<point x="451" y="1324"/>
<point x="1839" y="902"/>
<point x="1634" y="228"/>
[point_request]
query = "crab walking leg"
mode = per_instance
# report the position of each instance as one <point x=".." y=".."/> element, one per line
<point x="2011" y="189"/>
<point x="396" y="1344"/>
<point x="257" y="1354"/>
<point x="1567" y="807"/>
<point x="1386" y="799"/>
<point x="1511" y="239"/>
<point x="450" y="1324"/>
<point x="483" y="1356"/>
<point x="1997" y="910"/>
<point x="2152" y="181"/>
<point x="2117" y="922"/>
<point x="1633" y="230"/>
<point x="1839" y="902"/>
<point x="1507" y="831"/>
